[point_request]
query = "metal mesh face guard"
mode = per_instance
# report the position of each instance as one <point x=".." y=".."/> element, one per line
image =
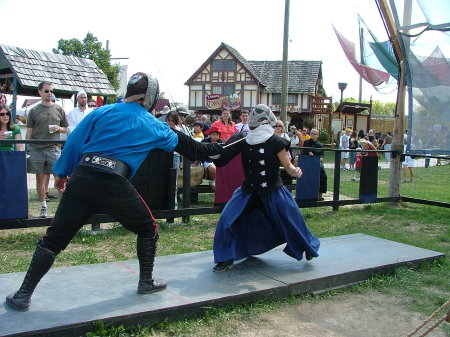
<point x="259" y="115"/>
<point x="144" y="86"/>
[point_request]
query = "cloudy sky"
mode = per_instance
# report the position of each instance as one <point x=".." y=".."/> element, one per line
<point x="172" y="38"/>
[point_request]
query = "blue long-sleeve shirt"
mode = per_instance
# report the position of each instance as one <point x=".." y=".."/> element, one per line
<point x="123" y="131"/>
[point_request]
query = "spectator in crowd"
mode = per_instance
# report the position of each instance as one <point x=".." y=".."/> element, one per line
<point x="198" y="134"/>
<point x="206" y="124"/>
<point x="100" y="156"/>
<point x="242" y="127"/>
<point x="225" y="125"/>
<point x="210" y="168"/>
<point x="410" y="162"/>
<point x="297" y="138"/>
<point x="281" y="131"/>
<point x="316" y="145"/>
<point x="92" y="104"/>
<point x="371" y="138"/>
<point x="163" y="114"/>
<point x="361" y="134"/>
<point x="353" y="146"/>
<point x="365" y="145"/>
<point x="8" y="130"/>
<point x="262" y="213"/>
<point x="75" y="116"/>
<point x="344" y="143"/>
<point x="183" y="113"/>
<point x="387" y="145"/>
<point x="305" y="134"/>
<point x="296" y="141"/>
<point x="43" y="156"/>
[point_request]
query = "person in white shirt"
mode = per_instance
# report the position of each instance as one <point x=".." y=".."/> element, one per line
<point x="344" y="144"/>
<point x="242" y="127"/>
<point x="75" y="116"/>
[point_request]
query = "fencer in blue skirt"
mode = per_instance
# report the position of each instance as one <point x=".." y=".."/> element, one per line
<point x="262" y="214"/>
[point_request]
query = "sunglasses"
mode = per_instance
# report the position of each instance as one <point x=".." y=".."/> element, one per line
<point x="47" y="91"/>
<point x="2" y="114"/>
<point x="92" y="106"/>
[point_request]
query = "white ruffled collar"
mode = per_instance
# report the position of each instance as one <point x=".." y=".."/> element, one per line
<point x="260" y="134"/>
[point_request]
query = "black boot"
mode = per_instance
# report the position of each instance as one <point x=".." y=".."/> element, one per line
<point x="40" y="264"/>
<point x="194" y="150"/>
<point x="146" y="251"/>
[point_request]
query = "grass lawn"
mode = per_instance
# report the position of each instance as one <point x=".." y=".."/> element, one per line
<point x="424" y="289"/>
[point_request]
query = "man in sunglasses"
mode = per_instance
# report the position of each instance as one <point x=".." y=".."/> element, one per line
<point x="45" y="122"/>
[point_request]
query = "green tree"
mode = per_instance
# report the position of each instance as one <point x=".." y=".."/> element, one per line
<point x="91" y="48"/>
<point x="383" y="108"/>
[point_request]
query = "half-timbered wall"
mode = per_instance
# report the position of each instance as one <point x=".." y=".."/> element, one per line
<point x="229" y="83"/>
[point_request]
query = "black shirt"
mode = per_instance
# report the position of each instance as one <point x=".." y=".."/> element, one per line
<point x="260" y="162"/>
<point x="314" y="144"/>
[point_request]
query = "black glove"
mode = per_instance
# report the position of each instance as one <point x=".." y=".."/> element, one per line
<point x="194" y="150"/>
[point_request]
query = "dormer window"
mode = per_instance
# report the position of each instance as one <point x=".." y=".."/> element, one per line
<point x="223" y="65"/>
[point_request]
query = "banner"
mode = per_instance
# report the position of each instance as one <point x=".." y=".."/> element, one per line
<point x="217" y="102"/>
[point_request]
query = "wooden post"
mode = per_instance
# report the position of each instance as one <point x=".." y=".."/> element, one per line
<point x="284" y="82"/>
<point x="397" y="142"/>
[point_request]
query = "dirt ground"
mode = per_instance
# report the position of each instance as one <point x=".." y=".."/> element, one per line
<point x="370" y="314"/>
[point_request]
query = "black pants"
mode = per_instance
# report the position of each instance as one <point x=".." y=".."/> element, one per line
<point x="323" y="180"/>
<point x="89" y="192"/>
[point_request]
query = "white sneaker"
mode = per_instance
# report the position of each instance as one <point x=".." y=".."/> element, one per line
<point x="44" y="212"/>
<point x="212" y="184"/>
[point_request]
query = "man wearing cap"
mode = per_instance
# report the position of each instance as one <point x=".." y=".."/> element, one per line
<point x="103" y="152"/>
<point x="182" y="112"/>
<point x="163" y="114"/>
<point x="213" y="134"/>
<point x="75" y="116"/>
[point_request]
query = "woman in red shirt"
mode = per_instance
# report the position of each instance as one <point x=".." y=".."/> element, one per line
<point x="225" y="125"/>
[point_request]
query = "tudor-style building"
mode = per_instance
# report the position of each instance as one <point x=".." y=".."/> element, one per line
<point x="227" y="80"/>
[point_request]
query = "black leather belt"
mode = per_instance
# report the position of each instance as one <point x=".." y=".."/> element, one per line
<point x="105" y="163"/>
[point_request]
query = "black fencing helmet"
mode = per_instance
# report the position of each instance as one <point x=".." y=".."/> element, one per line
<point x="143" y="86"/>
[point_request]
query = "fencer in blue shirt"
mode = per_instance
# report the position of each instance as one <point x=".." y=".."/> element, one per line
<point x="100" y="155"/>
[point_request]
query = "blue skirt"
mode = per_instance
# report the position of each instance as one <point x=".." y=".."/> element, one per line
<point x="240" y="234"/>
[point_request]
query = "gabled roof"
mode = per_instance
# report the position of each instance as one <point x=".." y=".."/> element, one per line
<point x="353" y="107"/>
<point x="68" y="74"/>
<point x="303" y="75"/>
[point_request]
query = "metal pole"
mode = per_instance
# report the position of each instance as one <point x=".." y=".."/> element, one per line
<point x="337" y="178"/>
<point x="15" y="90"/>
<point x="361" y="47"/>
<point x="284" y="84"/>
